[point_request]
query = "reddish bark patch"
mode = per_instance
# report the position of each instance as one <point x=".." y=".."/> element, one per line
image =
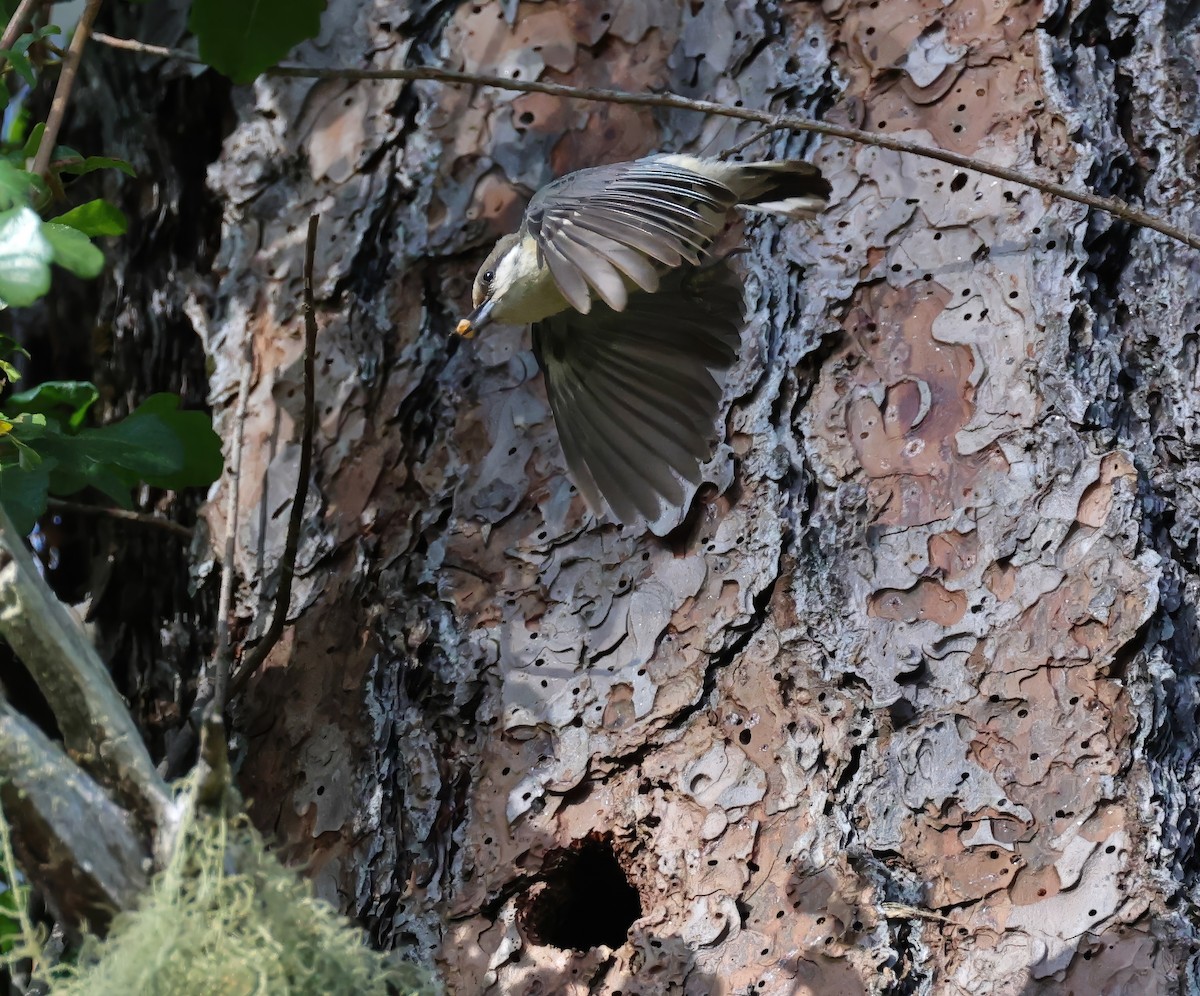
<point x="924" y="600"/>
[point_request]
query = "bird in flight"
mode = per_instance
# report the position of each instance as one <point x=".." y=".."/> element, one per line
<point x="635" y="325"/>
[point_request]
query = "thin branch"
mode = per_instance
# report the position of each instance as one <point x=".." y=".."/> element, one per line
<point x="742" y="146"/>
<point x="287" y="567"/>
<point x="16" y="23"/>
<point x="62" y="92"/>
<point x="1111" y="205"/>
<point x="121" y="515"/>
<point x="223" y="657"/>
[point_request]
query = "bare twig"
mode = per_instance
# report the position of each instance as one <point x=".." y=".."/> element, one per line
<point x="16" y="24"/>
<point x="62" y="92"/>
<point x="1111" y="205"/>
<point x="121" y="515"/>
<point x="742" y="146"/>
<point x="287" y="566"/>
<point x="222" y="658"/>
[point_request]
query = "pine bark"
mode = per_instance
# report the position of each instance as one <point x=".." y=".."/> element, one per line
<point x="906" y="702"/>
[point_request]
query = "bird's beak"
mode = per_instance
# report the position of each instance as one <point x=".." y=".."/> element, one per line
<point x="476" y="320"/>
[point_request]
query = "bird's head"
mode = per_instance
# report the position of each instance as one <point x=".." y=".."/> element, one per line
<point x="496" y="277"/>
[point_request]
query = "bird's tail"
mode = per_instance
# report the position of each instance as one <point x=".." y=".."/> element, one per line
<point x="783" y="186"/>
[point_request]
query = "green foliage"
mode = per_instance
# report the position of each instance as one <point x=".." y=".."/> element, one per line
<point x="29" y="245"/>
<point x="242" y="39"/>
<point x="25" y="255"/>
<point x="225" y="918"/>
<point x="95" y="218"/>
<point x="45" y="449"/>
<point x="45" y="445"/>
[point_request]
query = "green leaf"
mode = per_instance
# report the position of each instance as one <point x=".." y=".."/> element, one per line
<point x="73" y="250"/>
<point x="16" y="185"/>
<point x="94" y="218"/>
<point x="23" y="495"/>
<point x="9" y="347"/>
<point x="202" y="458"/>
<point x="241" y="39"/>
<point x="17" y="57"/>
<point x="111" y="458"/>
<point x="77" y="165"/>
<point x="34" y="140"/>
<point x="146" y="446"/>
<point x="53" y="397"/>
<point x="20" y="63"/>
<point x="24" y="257"/>
<point x="27" y="457"/>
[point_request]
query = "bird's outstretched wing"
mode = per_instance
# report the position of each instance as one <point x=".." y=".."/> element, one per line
<point x="631" y="219"/>
<point x="635" y="395"/>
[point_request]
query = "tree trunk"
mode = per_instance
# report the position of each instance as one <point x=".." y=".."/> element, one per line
<point x="906" y="703"/>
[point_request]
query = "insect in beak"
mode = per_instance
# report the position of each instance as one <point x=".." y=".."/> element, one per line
<point x="476" y="320"/>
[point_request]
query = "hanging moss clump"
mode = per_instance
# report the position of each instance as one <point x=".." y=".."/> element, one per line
<point x="227" y="919"/>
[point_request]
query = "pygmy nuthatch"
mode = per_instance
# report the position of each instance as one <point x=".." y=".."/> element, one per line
<point x="635" y="378"/>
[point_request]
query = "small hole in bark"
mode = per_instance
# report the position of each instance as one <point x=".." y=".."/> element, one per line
<point x="744" y="737"/>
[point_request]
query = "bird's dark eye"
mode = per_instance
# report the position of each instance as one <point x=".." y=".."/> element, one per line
<point x="489" y="276"/>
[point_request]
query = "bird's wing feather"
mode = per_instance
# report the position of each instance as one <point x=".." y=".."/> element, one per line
<point x="635" y="395"/>
<point x="663" y="213"/>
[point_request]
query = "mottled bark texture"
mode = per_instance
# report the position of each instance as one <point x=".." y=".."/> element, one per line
<point x="907" y="703"/>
